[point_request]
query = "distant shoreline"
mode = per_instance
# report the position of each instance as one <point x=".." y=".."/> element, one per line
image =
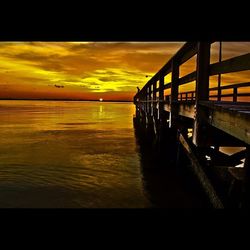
<point x="72" y="100"/>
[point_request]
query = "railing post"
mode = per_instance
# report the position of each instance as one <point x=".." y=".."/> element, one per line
<point x="144" y="107"/>
<point x="174" y="94"/>
<point x="149" y="99"/>
<point x="137" y="107"/>
<point x="235" y="94"/>
<point x="154" y="100"/>
<point x="219" y="76"/>
<point x="201" y="92"/>
<point x="161" y="100"/>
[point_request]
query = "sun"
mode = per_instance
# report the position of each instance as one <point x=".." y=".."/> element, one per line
<point x="100" y="99"/>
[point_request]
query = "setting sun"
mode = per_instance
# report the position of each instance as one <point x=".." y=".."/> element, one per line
<point x="87" y="70"/>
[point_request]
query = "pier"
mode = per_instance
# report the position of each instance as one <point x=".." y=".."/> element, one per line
<point x="189" y="128"/>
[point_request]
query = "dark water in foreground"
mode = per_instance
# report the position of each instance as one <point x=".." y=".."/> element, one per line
<point x="78" y="154"/>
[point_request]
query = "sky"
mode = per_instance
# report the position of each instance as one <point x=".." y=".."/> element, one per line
<point x="93" y="70"/>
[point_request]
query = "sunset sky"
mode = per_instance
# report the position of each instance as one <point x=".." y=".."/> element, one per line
<point x="92" y="70"/>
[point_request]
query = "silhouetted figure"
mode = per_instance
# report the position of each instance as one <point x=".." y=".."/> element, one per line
<point x="138" y="89"/>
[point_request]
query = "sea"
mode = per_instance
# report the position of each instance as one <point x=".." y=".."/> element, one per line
<point x="79" y="154"/>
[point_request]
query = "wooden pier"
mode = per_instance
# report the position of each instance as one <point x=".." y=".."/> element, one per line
<point x="195" y="124"/>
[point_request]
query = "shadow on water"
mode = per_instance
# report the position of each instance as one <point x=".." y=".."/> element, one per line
<point x="166" y="185"/>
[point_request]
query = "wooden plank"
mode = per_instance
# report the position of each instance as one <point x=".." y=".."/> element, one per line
<point x="165" y="69"/>
<point x="187" y="78"/>
<point x="240" y="109"/>
<point x="238" y="85"/>
<point x="244" y="112"/>
<point x="243" y="94"/>
<point x="224" y="104"/>
<point x="187" y="51"/>
<point x="233" y="95"/>
<point x="234" y="64"/>
<point x="168" y="85"/>
<point x="188" y="92"/>
<point x="198" y="170"/>
<point x="187" y="109"/>
<point x="234" y="123"/>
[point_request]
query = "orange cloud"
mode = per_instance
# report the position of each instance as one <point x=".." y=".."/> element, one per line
<point x="86" y="70"/>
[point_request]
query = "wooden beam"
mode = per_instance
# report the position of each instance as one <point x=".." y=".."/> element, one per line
<point x="149" y="99"/>
<point x="188" y="78"/>
<point x="161" y="99"/>
<point x="154" y="98"/>
<point x="168" y="85"/>
<point x="202" y="92"/>
<point x="238" y="156"/>
<point x="232" y="122"/>
<point x="237" y="85"/>
<point x="186" y="109"/>
<point x="247" y="178"/>
<point x="187" y="51"/>
<point x="199" y="172"/>
<point x="174" y="94"/>
<point x="234" y="64"/>
<point x="191" y="51"/>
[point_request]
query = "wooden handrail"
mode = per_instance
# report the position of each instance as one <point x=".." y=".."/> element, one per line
<point x="187" y="51"/>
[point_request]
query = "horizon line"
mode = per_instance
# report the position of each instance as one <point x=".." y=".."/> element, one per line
<point x="51" y="99"/>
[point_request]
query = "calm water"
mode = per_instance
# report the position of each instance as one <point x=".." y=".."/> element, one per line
<point x="84" y="154"/>
<point x="69" y="154"/>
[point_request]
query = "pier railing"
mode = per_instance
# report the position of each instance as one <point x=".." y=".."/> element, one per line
<point x="151" y="98"/>
<point x="216" y="115"/>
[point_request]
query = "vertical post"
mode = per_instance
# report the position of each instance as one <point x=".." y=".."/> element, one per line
<point x="154" y="99"/>
<point x="137" y="107"/>
<point x="201" y="92"/>
<point x="161" y="100"/>
<point x="235" y="94"/>
<point x="246" y="183"/>
<point x="145" y="107"/>
<point x="174" y="94"/>
<point x="149" y="99"/>
<point x="219" y="76"/>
